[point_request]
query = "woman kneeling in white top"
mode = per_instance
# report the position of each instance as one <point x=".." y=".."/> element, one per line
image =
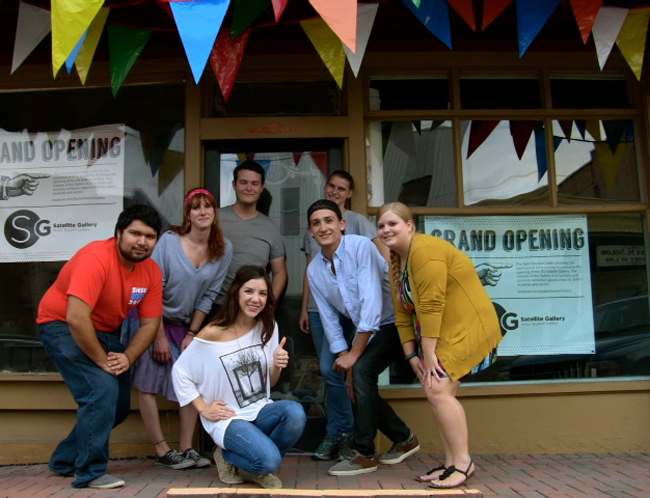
<point x="227" y="373"/>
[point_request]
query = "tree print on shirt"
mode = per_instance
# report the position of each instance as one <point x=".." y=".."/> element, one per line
<point x="247" y="372"/>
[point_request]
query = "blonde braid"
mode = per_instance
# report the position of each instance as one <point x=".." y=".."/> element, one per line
<point x="395" y="274"/>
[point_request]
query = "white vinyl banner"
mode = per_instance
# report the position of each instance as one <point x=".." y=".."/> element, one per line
<point x="536" y="271"/>
<point x="59" y="191"/>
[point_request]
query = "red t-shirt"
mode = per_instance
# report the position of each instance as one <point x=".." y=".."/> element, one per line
<point x="97" y="276"/>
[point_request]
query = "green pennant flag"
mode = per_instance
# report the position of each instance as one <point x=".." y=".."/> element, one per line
<point x="125" y="46"/>
<point x="244" y="13"/>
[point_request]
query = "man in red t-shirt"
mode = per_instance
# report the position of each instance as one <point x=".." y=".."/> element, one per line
<point x="79" y="319"/>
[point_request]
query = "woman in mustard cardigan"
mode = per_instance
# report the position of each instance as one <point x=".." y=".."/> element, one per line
<point x="447" y="325"/>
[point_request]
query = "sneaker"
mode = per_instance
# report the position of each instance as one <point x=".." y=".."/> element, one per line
<point x="193" y="455"/>
<point x="174" y="460"/>
<point x="267" y="481"/>
<point x="227" y="473"/>
<point x="353" y="465"/>
<point x="400" y="451"/>
<point x="345" y="446"/>
<point x="106" y="481"/>
<point x="328" y="449"/>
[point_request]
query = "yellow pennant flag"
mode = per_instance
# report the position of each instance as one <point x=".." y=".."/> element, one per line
<point x="70" y="20"/>
<point x="85" y="56"/>
<point x="631" y="38"/>
<point x="610" y="163"/>
<point x="328" y="46"/>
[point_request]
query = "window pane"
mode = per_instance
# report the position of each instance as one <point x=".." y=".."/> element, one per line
<point x="504" y="162"/>
<point x="596" y="160"/>
<point x="411" y="161"/>
<point x="499" y="93"/>
<point x="589" y="94"/>
<point x="153" y="119"/>
<point x="409" y="94"/>
<point x="287" y="98"/>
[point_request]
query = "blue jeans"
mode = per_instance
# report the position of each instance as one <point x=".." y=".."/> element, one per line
<point x="340" y="418"/>
<point x="103" y="399"/>
<point x="372" y="412"/>
<point x="258" y="446"/>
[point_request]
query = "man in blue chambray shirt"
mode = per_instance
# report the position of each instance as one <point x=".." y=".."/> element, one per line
<point x="349" y="278"/>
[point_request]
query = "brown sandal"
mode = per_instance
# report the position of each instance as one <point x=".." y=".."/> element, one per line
<point x="426" y="478"/>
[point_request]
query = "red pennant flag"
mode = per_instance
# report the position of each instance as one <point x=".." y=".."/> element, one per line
<point x="296" y="157"/>
<point x="493" y="9"/>
<point x="320" y="158"/>
<point x="567" y="128"/>
<point x="225" y="59"/>
<point x="585" y="12"/>
<point x="521" y="132"/>
<point x="278" y="8"/>
<point x="478" y="133"/>
<point x="465" y="9"/>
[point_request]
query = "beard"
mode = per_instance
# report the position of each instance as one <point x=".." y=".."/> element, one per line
<point x="133" y="257"/>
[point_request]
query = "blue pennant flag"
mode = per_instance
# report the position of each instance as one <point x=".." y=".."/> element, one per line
<point x="531" y="18"/>
<point x="434" y="14"/>
<point x="73" y="56"/>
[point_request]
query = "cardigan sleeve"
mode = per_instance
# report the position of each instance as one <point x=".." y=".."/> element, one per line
<point x="428" y="273"/>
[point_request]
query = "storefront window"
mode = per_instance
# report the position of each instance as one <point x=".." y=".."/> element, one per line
<point x="412" y="162"/>
<point x="583" y="93"/>
<point x="409" y="94"/>
<point x="499" y="93"/>
<point x="504" y="162"/>
<point x="59" y="128"/>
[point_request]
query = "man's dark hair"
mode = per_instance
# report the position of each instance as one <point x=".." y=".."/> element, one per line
<point x="250" y="166"/>
<point x="142" y="212"/>
<point x="324" y="204"/>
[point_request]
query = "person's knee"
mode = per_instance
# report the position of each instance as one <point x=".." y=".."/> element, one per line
<point x="269" y="462"/>
<point x="296" y="416"/>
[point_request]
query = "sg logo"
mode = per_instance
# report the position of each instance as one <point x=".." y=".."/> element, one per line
<point x="23" y="229"/>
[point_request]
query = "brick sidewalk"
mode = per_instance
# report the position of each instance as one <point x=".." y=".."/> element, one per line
<point x="620" y="475"/>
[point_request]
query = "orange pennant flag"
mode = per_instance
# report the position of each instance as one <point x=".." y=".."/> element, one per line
<point x="465" y="9"/>
<point x="631" y="39"/>
<point x="585" y="12"/>
<point x="341" y="17"/>
<point x="610" y="164"/>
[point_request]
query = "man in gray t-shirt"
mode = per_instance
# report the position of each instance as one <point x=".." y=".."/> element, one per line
<point x="255" y="239"/>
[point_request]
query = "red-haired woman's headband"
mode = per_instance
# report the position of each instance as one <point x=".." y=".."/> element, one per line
<point x="197" y="191"/>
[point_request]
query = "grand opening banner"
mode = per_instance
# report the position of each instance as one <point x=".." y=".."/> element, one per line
<point x="536" y="271"/>
<point x="59" y="191"/>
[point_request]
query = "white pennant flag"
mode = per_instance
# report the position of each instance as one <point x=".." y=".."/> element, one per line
<point x="609" y="22"/>
<point x="365" y="20"/>
<point x="33" y="25"/>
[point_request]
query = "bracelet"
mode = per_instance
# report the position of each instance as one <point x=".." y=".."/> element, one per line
<point x="193" y="332"/>
<point x="409" y="356"/>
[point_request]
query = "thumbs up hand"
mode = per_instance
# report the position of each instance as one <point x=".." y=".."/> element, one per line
<point x="281" y="355"/>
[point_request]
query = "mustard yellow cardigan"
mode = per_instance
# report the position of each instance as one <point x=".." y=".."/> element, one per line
<point x="450" y="303"/>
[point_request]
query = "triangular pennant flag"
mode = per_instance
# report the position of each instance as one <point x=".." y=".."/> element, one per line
<point x="556" y="142"/>
<point x="435" y="124"/>
<point x="226" y="58"/>
<point x="365" y="20"/>
<point x="593" y="128"/>
<point x="198" y="23"/>
<point x="341" y="17"/>
<point x="69" y="63"/>
<point x="296" y="157"/>
<point x="567" y="127"/>
<point x="531" y="17"/>
<point x="416" y="3"/>
<point x="521" y="132"/>
<point x="540" y="151"/>
<point x="614" y="129"/>
<point x="155" y="141"/>
<point x="125" y="46"/>
<point x="386" y="127"/>
<point x="70" y="20"/>
<point x="606" y="28"/>
<point x="87" y="51"/>
<point x="585" y="12"/>
<point x="478" y="133"/>
<point x="278" y="8"/>
<point x="434" y="14"/>
<point x="418" y="126"/>
<point x="493" y="9"/>
<point x="465" y="9"/>
<point x="33" y="25"/>
<point x="581" y="124"/>
<point x="610" y="163"/>
<point x="631" y="39"/>
<point x="244" y="13"/>
<point x="328" y="46"/>
<point x="320" y="159"/>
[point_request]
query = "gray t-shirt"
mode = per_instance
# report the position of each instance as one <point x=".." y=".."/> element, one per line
<point x="185" y="287"/>
<point x="255" y="242"/>
<point x="355" y="224"/>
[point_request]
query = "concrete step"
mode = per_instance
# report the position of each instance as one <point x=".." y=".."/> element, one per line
<point x="322" y="493"/>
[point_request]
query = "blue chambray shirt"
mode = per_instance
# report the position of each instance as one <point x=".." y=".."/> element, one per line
<point x="360" y="289"/>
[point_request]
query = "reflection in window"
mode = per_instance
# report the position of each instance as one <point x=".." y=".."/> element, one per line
<point x="504" y="162"/>
<point x="596" y="160"/>
<point x="411" y="161"/>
